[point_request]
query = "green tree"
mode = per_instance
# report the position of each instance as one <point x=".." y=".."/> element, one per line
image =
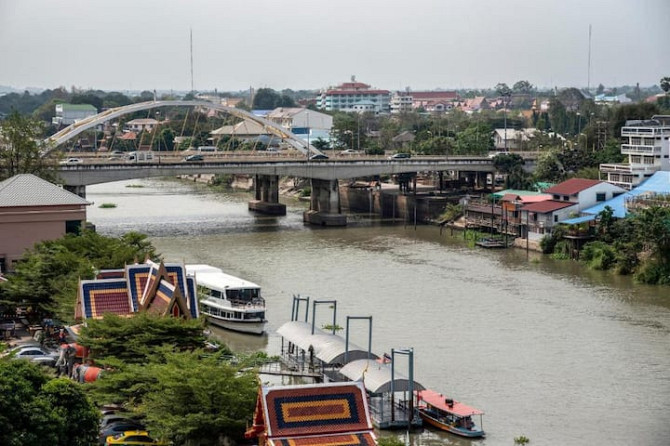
<point x="164" y="140"/>
<point x="665" y="84"/>
<point x="523" y="87"/>
<point x="35" y="410"/>
<point x="189" y="397"/>
<point x="477" y="139"/>
<point x="19" y="151"/>
<point x="134" y="339"/>
<point x="46" y="277"/>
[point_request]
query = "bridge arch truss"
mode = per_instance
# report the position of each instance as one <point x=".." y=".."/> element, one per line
<point x="75" y="129"/>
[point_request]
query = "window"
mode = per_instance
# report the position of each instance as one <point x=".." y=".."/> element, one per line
<point x="72" y="226"/>
<point x="555" y="218"/>
<point x="566" y="198"/>
<point x="601" y="196"/>
<point x="557" y="197"/>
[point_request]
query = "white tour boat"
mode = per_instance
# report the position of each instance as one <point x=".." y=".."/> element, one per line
<point x="228" y="301"/>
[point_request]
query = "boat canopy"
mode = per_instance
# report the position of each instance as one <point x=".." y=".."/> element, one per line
<point x="215" y="279"/>
<point x="376" y="376"/>
<point x="327" y="347"/>
<point x="439" y="401"/>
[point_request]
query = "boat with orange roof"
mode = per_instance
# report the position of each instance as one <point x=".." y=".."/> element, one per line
<point x="448" y="415"/>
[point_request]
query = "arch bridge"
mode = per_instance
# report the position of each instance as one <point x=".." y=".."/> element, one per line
<point x="78" y="127"/>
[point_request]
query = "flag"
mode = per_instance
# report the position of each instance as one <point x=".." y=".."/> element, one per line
<point x="385" y="359"/>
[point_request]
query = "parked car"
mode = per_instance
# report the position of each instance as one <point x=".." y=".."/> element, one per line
<point x="192" y="158"/>
<point x="119" y="417"/>
<point x="71" y="161"/>
<point x="132" y="438"/>
<point x="117" y="428"/>
<point x="400" y="156"/>
<point x="318" y="156"/>
<point x="349" y="152"/>
<point x="37" y="355"/>
<point x="117" y="153"/>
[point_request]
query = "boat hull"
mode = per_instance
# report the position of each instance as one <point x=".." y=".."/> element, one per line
<point x="251" y="327"/>
<point x="449" y="428"/>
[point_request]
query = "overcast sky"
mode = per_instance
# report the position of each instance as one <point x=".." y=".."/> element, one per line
<point x="312" y="44"/>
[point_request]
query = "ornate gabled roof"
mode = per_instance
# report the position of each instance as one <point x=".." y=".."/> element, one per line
<point x="156" y="288"/>
<point x="321" y="414"/>
<point x="98" y="297"/>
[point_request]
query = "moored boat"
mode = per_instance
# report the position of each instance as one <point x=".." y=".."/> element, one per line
<point x="228" y="301"/>
<point x="448" y="415"/>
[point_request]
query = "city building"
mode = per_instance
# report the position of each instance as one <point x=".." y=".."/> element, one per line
<point x="143" y="124"/>
<point x="430" y="101"/>
<point x="583" y="192"/>
<point x="67" y="114"/>
<point x="345" y="96"/>
<point x="512" y="139"/>
<point x="647" y="144"/>
<point x="33" y="210"/>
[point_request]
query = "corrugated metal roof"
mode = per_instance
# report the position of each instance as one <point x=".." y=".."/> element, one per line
<point x="28" y="190"/>
<point x="577" y="220"/>
<point x="572" y="186"/>
<point x="542" y="207"/>
<point x="328" y="348"/>
<point x="376" y="376"/>
<point x="658" y="183"/>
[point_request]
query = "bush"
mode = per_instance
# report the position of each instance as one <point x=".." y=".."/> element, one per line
<point x="653" y="273"/>
<point x="598" y="255"/>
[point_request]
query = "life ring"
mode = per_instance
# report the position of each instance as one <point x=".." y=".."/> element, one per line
<point x="248" y="304"/>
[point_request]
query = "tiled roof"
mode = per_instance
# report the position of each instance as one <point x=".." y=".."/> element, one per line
<point x="29" y="190"/>
<point x="325" y="409"/>
<point x="104" y="296"/>
<point x="547" y="206"/>
<point x="572" y="186"/>
<point x="435" y="95"/>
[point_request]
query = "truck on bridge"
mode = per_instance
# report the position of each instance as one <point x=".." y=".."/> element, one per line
<point x="140" y="157"/>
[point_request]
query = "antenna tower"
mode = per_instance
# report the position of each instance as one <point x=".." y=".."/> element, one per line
<point x="192" y="89"/>
<point x="588" y="81"/>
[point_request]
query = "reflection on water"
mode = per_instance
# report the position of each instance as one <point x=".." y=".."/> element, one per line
<point x="549" y="350"/>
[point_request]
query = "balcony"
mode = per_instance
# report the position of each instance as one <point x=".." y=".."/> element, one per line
<point x="620" y="168"/>
<point x="632" y="149"/>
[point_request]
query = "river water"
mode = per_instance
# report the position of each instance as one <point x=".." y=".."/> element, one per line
<point x="549" y="350"/>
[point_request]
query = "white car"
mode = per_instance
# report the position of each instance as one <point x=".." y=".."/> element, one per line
<point x="36" y="354"/>
<point x="349" y="152"/>
<point x="71" y="161"/>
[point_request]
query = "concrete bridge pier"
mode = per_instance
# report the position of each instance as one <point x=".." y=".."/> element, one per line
<point x="79" y="190"/>
<point x="325" y="208"/>
<point x="266" y="189"/>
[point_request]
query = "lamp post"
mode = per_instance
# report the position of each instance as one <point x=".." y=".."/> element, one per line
<point x="307" y="116"/>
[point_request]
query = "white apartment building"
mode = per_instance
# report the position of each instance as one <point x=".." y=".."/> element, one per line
<point x="647" y="144"/>
<point x="345" y="96"/>
<point x="67" y="114"/>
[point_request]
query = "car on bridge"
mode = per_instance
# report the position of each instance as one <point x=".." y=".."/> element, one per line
<point x="400" y="156"/>
<point x="318" y="157"/>
<point x="350" y="152"/>
<point x="194" y="158"/>
<point x="71" y="161"/>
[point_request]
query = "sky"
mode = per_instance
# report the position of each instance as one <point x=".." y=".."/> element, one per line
<point x="313" y="44"/>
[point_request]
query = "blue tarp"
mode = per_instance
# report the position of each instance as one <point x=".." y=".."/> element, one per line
<point x="574" y="221"/>
<point x="658" y="183"/>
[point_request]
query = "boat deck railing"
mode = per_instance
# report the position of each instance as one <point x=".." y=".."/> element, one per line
<point x="255" y="303"/>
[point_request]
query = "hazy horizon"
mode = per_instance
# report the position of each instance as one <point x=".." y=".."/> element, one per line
<point x="305" y="45"/>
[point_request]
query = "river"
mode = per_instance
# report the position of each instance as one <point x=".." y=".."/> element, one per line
<point x="548" y="349"/>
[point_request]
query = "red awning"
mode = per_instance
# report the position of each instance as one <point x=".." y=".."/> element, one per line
<point x="438" y="401"/>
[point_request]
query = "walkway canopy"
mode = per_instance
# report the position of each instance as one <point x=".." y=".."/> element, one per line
<point x="376" y="376"/>
<point x="328" y="348"/>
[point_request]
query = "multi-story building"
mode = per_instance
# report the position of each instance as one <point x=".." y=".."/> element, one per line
<point x="67" y="114"/>
<point x="432" y="101"/>
<point x="647" y="144"/>
<point x="345" y="96"/>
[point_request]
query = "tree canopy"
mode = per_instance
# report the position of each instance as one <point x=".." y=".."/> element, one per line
<point x="19" y="151"/>
<point x="46" y="277"/>
<point x="38" y="411"/>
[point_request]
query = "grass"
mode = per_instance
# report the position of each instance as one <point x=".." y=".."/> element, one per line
<point x="107" y="206"/>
